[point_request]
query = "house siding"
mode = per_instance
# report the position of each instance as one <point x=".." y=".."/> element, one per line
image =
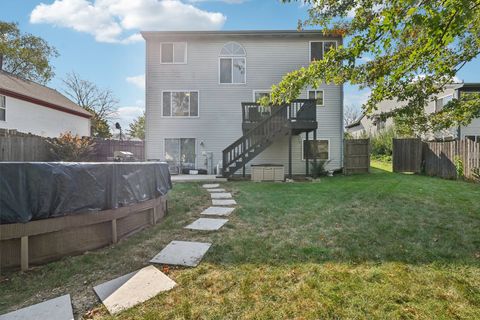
<point x="28" y="117"/>
<point x="220" y="116"/>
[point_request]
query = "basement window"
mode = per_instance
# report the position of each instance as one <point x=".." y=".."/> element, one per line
<point x="316" y="149"/>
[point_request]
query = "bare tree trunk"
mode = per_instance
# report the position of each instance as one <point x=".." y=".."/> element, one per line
<point x="1" y="61"/>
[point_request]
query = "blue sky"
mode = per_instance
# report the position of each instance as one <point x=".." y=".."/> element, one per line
<point x="99" y="40"/>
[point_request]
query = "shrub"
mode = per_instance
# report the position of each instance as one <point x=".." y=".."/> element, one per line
<point x="382" y="143"/>
<point x="69" y="147"/>
<point x="476" y="174"/>
<point x="318" y="168"/>
<point x="458" y="166"/>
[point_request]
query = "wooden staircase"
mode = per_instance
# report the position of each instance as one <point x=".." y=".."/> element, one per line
<point x="260" y="132"/>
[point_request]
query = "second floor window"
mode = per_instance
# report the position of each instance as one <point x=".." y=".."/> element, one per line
<point x="180" y="103"/>
<point x="319" y="48"/>
<point x="232" y="64"/>
<point x="3" y="108"/>
<point x="317" y="95"/>
<point x="173" y="53"/>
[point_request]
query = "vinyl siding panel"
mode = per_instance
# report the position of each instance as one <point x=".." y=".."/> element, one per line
<point x="220" y="116"/>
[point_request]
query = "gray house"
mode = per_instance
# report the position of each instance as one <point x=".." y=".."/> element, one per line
<point x="201" y="94"/>
<point x="371" y="125"/>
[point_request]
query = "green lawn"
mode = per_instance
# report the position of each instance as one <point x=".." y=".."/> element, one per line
<point x="378" y="246"/>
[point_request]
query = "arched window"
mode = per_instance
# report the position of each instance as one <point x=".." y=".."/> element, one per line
<point x="232" y="64"/>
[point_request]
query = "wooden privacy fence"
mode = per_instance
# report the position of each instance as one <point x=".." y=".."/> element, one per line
<point x="407" y="155"/>
<point x="356" y="156"/>
<point x="23" y="148"/>
<point x="104" y="149"/>
<point x="16" y="146"/>
<point x="437" y="158"/>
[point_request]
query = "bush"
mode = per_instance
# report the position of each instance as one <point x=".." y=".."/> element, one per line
<point x="70" y="147"/>
<point x="459" y="166"/>
<point x="318" y="168"/>
<point x="476" y="174"/>
<point x="382" y="144"/>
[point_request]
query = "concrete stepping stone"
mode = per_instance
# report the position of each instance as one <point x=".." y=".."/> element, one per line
<point x="182" y="253"/>
<point x="223" y="202"/>
<point x="55" y="309"/>
<point x="211" y="186"/>
<point x="207" y="224"/>
<point x="221" y="195"/>
<point x="216" y="190"/>
<point x="131" y="289"/>
<point x="218" y="211"/>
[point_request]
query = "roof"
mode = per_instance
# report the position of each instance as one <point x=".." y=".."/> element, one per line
<point x="356" y="122"/>
<point x="256" y="33"/>
<point x="26" y="90"/>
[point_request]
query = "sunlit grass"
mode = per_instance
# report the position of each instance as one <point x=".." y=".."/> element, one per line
<point x="378" y="246"/>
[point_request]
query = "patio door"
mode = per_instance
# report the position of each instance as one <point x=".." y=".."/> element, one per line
<point x="180" y="153"/>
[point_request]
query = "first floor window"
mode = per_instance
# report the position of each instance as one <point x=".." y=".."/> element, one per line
<point x="180" y="104"/>
<point x="173" y="53"/>
<point x="317" y="95"/>
<point x="316" y="149"/>
<point x="3" y="108"/>
<point x="232" y="70"/>
<point x="180" y="153"/>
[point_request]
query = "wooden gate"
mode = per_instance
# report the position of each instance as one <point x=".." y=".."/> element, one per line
<point x="356" y="156"/>
<point x="407" y="155"/>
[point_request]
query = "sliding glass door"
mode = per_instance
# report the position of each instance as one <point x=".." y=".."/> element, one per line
<point x="180" y="153"/>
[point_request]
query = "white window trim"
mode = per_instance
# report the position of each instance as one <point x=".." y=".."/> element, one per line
<point x="323" y="53"/>
<point x="260" y="90"/>
<point x="165" y="143"/>
<point x="179" y="117"/>
<point x="4" y="107"/>
<point x="232" y="83"/>
<point x="318" y="139"/>
<point x="173" y="53"/>
<point x="323" y="100"/>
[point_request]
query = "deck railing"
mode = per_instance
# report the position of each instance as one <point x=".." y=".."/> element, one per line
<point x="300" y="109"/>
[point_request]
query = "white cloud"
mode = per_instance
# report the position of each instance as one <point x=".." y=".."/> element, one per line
<point x="226" y="1"/>
<point x="118" y="21"/>
<point x="126" y="115"/>
<point x="138" y="81"/>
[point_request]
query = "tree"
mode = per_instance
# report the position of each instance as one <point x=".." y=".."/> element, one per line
<point x="416" y="47"/>
<point x="137" y="127"/>
<point x="25" y="55"/>
<point x="350" y="114"/>
<point x="100" y="102"/>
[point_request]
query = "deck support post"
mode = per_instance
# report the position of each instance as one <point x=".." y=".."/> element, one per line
<point x="24" y="253"/>
<point x="290" y="154"/>
<point x="315" y="139"/>
<point x="306" y="154"/>
<point x="114" y="231"/>
<point x="244" y="146"/>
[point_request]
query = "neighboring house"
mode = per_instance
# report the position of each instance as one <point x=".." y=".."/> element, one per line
<point x="371" y="125"/>
<point x="30" y="107"/>
<point x="196" y="83"/>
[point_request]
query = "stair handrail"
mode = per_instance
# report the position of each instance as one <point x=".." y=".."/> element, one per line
<point x="252" y="133"/>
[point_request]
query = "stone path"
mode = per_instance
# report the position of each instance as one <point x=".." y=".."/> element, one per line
<point x="55" y="309"/>
<point x="206" y="224"/>
<point x="182" y="253"/>
<point x="134" y="288"/>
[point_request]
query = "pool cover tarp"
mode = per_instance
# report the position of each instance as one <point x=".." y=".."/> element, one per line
<point x="39" y="190"/>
